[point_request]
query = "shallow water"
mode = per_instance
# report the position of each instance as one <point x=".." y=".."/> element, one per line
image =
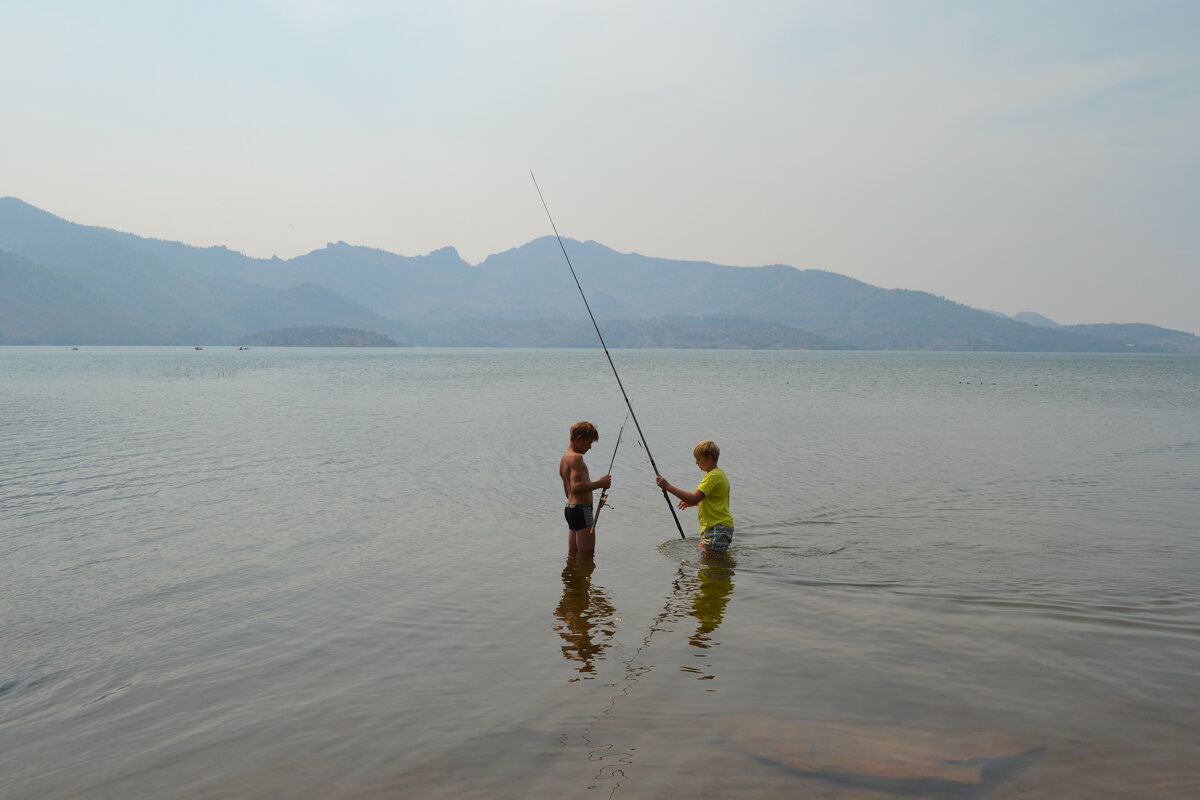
<point x="332" y="573"/>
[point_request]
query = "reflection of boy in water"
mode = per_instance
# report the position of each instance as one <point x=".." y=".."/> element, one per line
<point x="712" y="595"/>
<point x="578" y="487"/>
<point x="711" y="499"/>
<point x="584" y="610"/>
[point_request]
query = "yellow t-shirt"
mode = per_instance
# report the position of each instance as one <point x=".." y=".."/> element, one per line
<point x="714" y="508"/>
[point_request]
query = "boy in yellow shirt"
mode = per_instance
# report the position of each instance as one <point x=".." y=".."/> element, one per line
<point x="711" y="498"/>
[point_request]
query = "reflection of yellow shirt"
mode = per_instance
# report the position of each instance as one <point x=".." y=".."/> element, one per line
<point x="708" y="607"/>
<point x="714" y="508"/>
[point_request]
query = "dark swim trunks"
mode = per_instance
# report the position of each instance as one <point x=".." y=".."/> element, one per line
<point x="578" y="516"/>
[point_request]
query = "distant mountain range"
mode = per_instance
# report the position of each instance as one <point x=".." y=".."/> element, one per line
<point x="64" y="283"/>
<point x="318" y="336"/>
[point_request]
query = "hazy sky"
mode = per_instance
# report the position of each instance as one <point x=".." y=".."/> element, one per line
<point x="1039" y="156"/>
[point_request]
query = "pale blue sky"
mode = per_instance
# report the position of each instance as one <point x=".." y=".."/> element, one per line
<point x="1015" y="156"/>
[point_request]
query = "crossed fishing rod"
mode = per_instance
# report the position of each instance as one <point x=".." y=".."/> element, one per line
<point x="628" y="405"/>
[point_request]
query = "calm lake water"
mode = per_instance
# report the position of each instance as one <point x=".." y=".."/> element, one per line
<point x="343" y="574"/>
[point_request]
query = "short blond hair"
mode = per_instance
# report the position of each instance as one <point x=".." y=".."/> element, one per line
<point x="584" y="430"/>
<point x="708" y="448"/>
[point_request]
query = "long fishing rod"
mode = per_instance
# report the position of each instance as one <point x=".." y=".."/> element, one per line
<point x="588" y="306"/>
<point x="611" y="461"/>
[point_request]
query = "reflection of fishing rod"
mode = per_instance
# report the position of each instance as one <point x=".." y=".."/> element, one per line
<point x="611" y="461"/>
<point x="586" y="305"/>
<point x="598" y="752"/>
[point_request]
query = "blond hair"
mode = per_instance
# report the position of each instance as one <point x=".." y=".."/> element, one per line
<point x="584" y="430"/>
<point x="708" y="449"/>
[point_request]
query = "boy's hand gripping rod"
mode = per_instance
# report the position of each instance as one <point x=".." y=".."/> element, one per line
<point x="586" y="305"/>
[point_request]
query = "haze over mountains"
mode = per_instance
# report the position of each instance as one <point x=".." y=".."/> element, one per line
<point x="64" y="283"/>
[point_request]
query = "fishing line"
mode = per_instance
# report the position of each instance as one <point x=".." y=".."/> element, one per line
<point x="588" y="306"/>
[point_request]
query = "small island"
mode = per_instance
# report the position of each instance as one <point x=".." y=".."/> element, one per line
<point x="318" y="336"/>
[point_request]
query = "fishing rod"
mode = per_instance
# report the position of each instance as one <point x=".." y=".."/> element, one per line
<point x="588" y="306"/>
<point x="611" y="461"/>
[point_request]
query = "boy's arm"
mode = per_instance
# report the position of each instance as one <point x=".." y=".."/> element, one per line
<point x="689" y="499"/>
<point x="581" y="479"/>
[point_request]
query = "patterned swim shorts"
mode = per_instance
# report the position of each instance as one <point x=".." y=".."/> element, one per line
<point x="717" y="538"/>
<point x="579" y="516"/>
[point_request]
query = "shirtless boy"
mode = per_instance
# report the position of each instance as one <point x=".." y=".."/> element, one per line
<point x="578" y="487"/>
